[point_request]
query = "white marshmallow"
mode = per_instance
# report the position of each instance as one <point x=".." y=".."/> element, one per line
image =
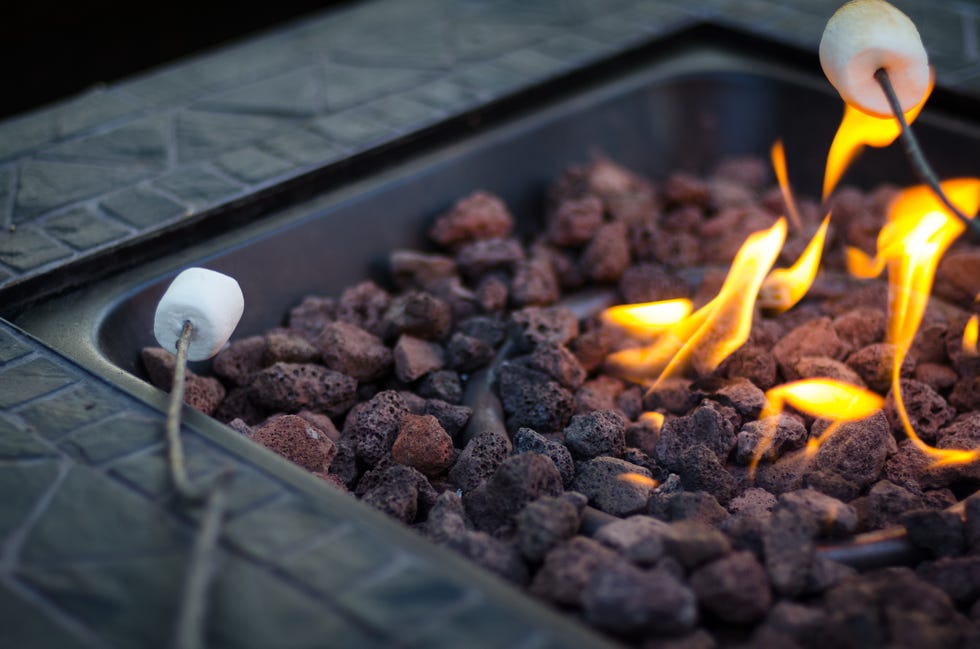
<point x="865" y="35"/>
<point x="211" y="301"/>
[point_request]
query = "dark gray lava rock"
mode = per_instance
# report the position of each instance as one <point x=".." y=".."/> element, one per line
<point x="453" y="418"/>
<point x="531" y="399"/>
<point x="789" y="548"/>
<point x="885" y="504"/>
<point x="287" y="346"/>
<point x="958" y="577"/>
<point x="735" y="588"/>
<point x="700" y="470"/>
<point x="938" y="531"/>
<point x="687" y="505"/>
<point x="467" y="353"/>
<point x="568" y="569"/>
<point x="600" y="432"/>
<point x="397" y="490"/>
<point x="857" y="451"/>
<point x="707" y="425"/>
<point x="639" y="538"/>
<point x="364" y="305"/>
<point x="927" y="410"/>
<point x="599" y="479"/>
<point x="290" y="387"/>
<point x="694" y="543"/>
<point x="781" y="435"/>
<point x="546" y="522"/>
<point x="527" y="440"/>
<point x="480" y="459"/>
<point x="373" y="425"/>
<point x="533" y="325"/>
<point x="625" y="599"/>
<point x="493" y="554"/>
<point x="558" y="363"/>
<point x="518" y="480"/>
<point x="240" y="360"/>
<point x="441" y="384"/>
<point x="418" y="314"/>
<point x="309" y="316"/>
<point x="834" y="518"/>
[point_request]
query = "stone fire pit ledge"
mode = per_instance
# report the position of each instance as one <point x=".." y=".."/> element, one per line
<point x="93" y="549"/>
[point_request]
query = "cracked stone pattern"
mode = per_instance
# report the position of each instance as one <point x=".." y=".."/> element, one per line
<point x="94" y="545"/>
<point x="118" y="163"/>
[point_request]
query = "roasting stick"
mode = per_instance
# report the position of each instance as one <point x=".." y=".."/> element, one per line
<point x="197" y="316"/>
<point x="872" y="54"/>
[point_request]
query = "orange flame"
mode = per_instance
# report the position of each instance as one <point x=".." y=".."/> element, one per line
<point x="819" y="397"/>
<point x="655" y="419"/>
<point x="970" y="336"/>
<point x="648" y="318"/>
<point x="857" y="130"/>
<point x="778" y="156"/>
<point x="784" y="287"/>
<point x="918" y="232"/>
<point x="703" y="339"/>
<point x="638" y="479"/>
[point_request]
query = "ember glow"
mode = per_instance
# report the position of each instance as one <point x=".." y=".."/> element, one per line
<point x="703" y="339"/>
<point x="970" y="336"/>
<point x="858" y="130"/>
<point x="638" y="479"/>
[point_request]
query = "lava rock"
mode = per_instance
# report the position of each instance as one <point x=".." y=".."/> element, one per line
<point x="558" y="363"/>
<point x="308" y="317"/>
<point x="418" y="314"/>
<point x="781" y="435"/>
<point x="518" y="480"/>
<point x="625" y="599"/>
<point x="599" y="479"/>
<point x="810" y="367"/>
<point x="202" y="393"/>
<point x="289" y="387"/>
<point x="364" y="305"/>
<point x="534" y="283"/>
<point x="531" y="399"/>
<point x="480" y="459"/>
<point x="742" y="395"/>
<point x="753" y="363"/>
<point x="444" y="385"/>
<point x="938" y="531"/>
<point x="694" y="543"/>
<point x="575" y="221"/>
<point x="700" y="470"/>
<point x="298" y="441"/>
<point x="874" y="365"/>
<point x="568" y="569"/>
<point x="607" y="255"/>
<point x="857" y="451"/>
<point x="860" y="327"/>
<point x="415" y="357"/>
<point x="480" y="215"/>
<point x="453" y="418"/>
<point x="834" y="518"/>
<point x="707" y="426"/>
<point x="639" y="538"/>
<point x="885" y="504"/>
<point x="529" y="441"/>
<point x="495" y="555"/>
<point x="533" y="325"/>
<point x="467" y="353"/>
<point x="686" y="505"/>
<point x="397" y="490"/>
<point x="600" y="393"/>
<point x="446" y="521"/>
<point x="790" y="549"/>
<point x="813" y="338"/>
<point x="418" y="270"/>
<point x="423" y="444"/>
<point x="754" y="502"/>
<point x="477" y="258"/>
<point x="240" y="360"/>
<point x="286" y="346"/>
<point x="601" y="432"/>
<point x="350" y="350"/>
<point x="373" y="425"/>
<point x="958" y="577"/>
<point x="735" y="588"/>
<point x="546" y="522"/>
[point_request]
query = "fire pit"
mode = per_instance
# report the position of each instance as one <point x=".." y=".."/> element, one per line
<point x="739" y="104"/>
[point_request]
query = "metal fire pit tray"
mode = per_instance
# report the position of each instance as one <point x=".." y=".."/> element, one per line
<point x="683" y="110"/>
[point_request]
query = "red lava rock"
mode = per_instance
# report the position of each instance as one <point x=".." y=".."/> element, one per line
<point x="238" y="404"/>
<point x="753" y="363"/>
<point x="203" y="393"/>
<point x="650" y="283"/>
<point x="684" y="188"/>
<point x="419" y="270"/>
<point x="480" y="215"/>
<point x="418" y="314"/>
<point x="813" y="338"/>
<point x="423" y="444"/>
<point x="575" y="221"/>
<point x="860" y="327"/>
<point x="480" y="459"/>
<point x="927" y="410"/>
<point x="297" y="440"/>
<point x="240" y="360"/>
<point x="309" y="316"/>
<point x="373" y="425"/>
<point x="546" y="522"/>
<point x="625" y="599"/>
<point x="415" y="358"/>
<point x="568" y="568"/>
<point x="491" y="293"/>
<point x="810" y="367"/>
<point x="874" y="364"/>
<point x="857" y="450"/>
<point x="749" y="171"/>
<point x="599" y="480"/>
<point x="533" y="400"/>
<point x="290" y="387"/>
<point x="600" y="432"/>
<point x="598" y="394"/>
<point x="557" y="362"/>
<point x="364" y="305"/>
<point x="323" y="423"/>
<point x="532" y="326"/>
<point x="478" y="258"/>
<point x="286" y="346"/>
<point x="534" y="283"/>
<point x="957" y="276"/>
<point x="939" y="377"/>
<point x="591" y="348"/>
<point x="726" y="193"/>
<point x="350" y="350"/>
<point x="735" y="588"/>
<point x="741" y="394"/>
<point x="929" y="344"/>
<point x="608" y="253"/>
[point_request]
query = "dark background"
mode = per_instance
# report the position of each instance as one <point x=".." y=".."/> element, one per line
<point x="54" y="49"/>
